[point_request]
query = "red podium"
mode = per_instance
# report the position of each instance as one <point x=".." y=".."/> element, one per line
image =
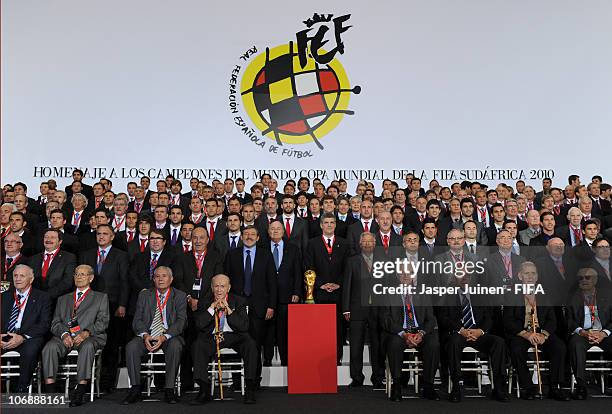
<point x="312" y="349"/>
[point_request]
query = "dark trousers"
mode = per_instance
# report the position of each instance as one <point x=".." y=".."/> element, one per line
<point x="115" y="337"/>
<point x="204" y="348"/>
<point x="577" y="348"/>
<point x="429" y="349"/>
<point x="492" y="345"/>
<point x="277" y="334"/>
<point x="191" y="334"/>
<point x="28" y="359"/>
<point x="358" y="330"/>
<point x="555" y="352"/>
<point x="258" y="331"/>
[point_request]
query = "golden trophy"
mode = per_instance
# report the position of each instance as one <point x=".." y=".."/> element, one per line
<point x="309" y="279"/>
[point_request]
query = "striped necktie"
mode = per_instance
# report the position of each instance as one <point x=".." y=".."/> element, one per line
<point x="467" y="317"/>
<point x="14" y="314"/>
<point x="157" y="327"/>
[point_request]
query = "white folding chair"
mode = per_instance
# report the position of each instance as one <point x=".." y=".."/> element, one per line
<point x="150" y="367"/>
<point x="597" y="363"/>
<point x="532" y="368"/>
<point x="9" y="368"/>
<point x="227" y="367"/>
<point x="411" y="364"/>
<point x="69" y="369"/>
<point x="477" y="365"/>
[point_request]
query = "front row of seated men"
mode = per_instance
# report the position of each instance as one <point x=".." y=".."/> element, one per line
<point x="81" y="319"/>
<point x="463" y="322"/>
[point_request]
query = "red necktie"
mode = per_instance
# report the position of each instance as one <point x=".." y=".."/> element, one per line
<point x="143" y="244"/>
<point x="46" y="264"/>
<point x="138" y="206"/>
<point x="577" y="235"/>
<point x="186" y="248"/>
<point x="211" y="232"/>
<point x="130" y="236"/>
<point x="557" y="210"/>
<point x="365" y="226"/>
<point x="386" y="242"/>
<point x="288" y="228"/>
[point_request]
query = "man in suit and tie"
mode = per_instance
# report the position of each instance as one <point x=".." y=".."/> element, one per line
<point x="465" y="320"/>
<point x="269" y="215"/>
<point x="572" y="233"/>
<point x="224" y="318"/>
<point x="143" y="268"/>
<point x="602" y="263"/>
<point x="366" y="223"/>
<point x="288" y="266"/>
<point x="497" y="223"/>
<point x="111" y="270"/>
<point x="79" y="323"/>
<point x="590" y="324"/>
<point x="327" y="256"/>
<point x="359" y="312"/>
<point x="503" y="264"/>
<point x="467" y="214"/>
<point x="53" y="268"/>
<point x="242" y="195"/>
<point x="159" y="321"/>
<point x="214" y="223"/>
<point x="295" y="229"/>
<point x="253" y="275"/>
<point x="194" y="272"/>
<point x="139" y="204"/>
<point x="26" y="317"/>
<point x="231" y="239"/>
<point x="409" y="322"/>
<point x="11" y="257"/>
<point x="386" y="238"/>
<point x="520" y="311"/>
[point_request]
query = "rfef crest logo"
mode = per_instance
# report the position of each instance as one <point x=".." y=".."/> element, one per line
<point x="297" y="93"/>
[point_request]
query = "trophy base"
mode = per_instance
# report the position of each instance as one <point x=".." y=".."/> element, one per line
<point x="309" y="301"/>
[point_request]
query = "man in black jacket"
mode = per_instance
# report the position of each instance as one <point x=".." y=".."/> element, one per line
<point x="54" y="267"/>
<point x="590" y="324"/>
<point x="253" y="275"/>
<point x="26" y="318"/>
<point x="520" y="313"/>
<point x="409" y="322"/>
<point x="223" y="318"/>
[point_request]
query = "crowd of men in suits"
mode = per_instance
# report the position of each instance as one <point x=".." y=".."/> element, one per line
<point x="90" y="269"/>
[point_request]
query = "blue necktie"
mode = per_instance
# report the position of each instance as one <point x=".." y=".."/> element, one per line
<point x="248" y="273"/>
<point x="276" y="256"/>
<point x="100" y="261"/>
<point x="174" y="237"/>
<point x="233" y="243"/>
<point x="467" y="318"/>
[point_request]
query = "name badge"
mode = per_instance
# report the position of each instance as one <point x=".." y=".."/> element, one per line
<point x="197" y="285"/>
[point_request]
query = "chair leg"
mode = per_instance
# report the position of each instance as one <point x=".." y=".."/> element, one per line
<point x="479" y="376"/>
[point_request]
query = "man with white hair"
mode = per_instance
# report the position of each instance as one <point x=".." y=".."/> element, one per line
<point x="79" y="218"/>
<point x="572" y="234"/>
<point x="26" y="316"/>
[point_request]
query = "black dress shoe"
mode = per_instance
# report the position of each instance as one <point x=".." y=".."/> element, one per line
<point x="430" y="393"/>
<point x="249" y="392"/>
<point x="378" y="385"/>
<point x="580" y="393"/>
<point x="558" y="394"/>
<point x="203" y="395"/>
<point x="170" y="396"/>
<point x="527" y="394"/>
<point x="76" y="395"/>
<point x="500" y="395"/>
<point x="396" y="392"/>
<point x="455" y="394"/>
<point x="356" y="384"/>
<point x="133" y="396"/>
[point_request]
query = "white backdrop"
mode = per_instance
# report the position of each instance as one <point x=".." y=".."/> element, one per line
<point x="486" y="89"/>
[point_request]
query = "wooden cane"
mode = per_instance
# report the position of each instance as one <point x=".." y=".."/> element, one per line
<point x="537" y="356"/>
<point x="218" y="339"/>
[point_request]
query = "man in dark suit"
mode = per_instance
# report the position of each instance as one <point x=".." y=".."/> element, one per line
<point x="86" y="190"/>
<point x="214" y="223"/>
<point x="366" y="223"/>
<point x="111" y="270"/>
<point x="503" y="265"/>
<point x="602" y="263"/>
<point x="143" y="268"/>
<point x="253" y="275"/>
<point x="70" y="242"/>
<point x="520" y="311"/>
<point x="360" y="313"/>
<point x="269" y="215"/>
<point x="231" y="239"/>
<point x="159" y="322"/>
<point x="53" y="268"/>
<point x="465" y="320"/>
<point x="18" y="225"/>
<point x="409" y="322"/>
<point x="388" y="240"/>
<point x="11" y="257"/>
<point x="243" y="196"/>
<point x="590" y="324"/>
<point x="177" y="199"/>
<point x="327" y="256"/>
<point x="288" y="266"/>
<point x="26" y="317"/>
<point x="224" y="316"/>
<point x="123" y="237"/>
<point x="79" y="322"/>
<point x="296" y="229"/>
<point x="139" y="204"/>
<point x="194" y="272"/>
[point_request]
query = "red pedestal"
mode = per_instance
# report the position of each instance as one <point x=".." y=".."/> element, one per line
<point x="312" y="349"/>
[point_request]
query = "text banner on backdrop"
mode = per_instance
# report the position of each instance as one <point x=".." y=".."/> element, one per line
<point x="360" y="90"/>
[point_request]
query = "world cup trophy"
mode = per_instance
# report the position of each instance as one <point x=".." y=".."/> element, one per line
<point x="309" y="279"/>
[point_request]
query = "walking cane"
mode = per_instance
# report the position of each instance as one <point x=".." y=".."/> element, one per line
<point x="537" y="356"/>
<point x="218" y="339"/>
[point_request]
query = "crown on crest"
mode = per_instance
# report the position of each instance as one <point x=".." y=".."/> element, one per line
<point x="318" y="18"/>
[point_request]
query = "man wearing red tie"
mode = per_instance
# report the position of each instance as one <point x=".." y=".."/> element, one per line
<point x="53" y="268"/>
<point x="214" y="223"/>
<point x="366" y="223"/>
<point x="385" y="237"/>
<point x="120" y="210"/>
